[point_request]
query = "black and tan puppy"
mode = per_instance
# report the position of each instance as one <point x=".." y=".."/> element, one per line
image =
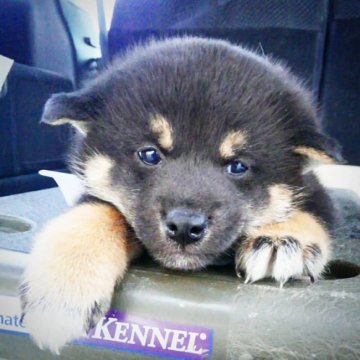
<point x="197" y="147"/>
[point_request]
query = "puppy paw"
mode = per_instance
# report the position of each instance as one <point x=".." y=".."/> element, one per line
<point x="69" y="281"/>
<point x="295" y="248"/>
<point x="54" y="322"/>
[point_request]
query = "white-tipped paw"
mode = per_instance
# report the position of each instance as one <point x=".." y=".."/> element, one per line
<point x="72" y="271"/>
<point x="56" y="321"/>
<point x="279" y="258"/>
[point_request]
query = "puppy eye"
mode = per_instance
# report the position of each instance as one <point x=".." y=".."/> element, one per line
<point x="149" y="156"/>
<point x="236" y="167"/>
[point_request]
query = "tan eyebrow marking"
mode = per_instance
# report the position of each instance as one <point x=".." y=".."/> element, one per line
<point x="162" y="128"/>
<point x="314" y="154"/>
<point x="234" y="141"/>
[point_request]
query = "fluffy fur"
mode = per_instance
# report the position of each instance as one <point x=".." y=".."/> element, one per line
<point x="201" y="104"/>
<point x="65" y="283"/>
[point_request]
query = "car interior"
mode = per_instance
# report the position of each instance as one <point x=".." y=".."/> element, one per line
<point x="57" y="45"/>
<point x="60" y="45"/>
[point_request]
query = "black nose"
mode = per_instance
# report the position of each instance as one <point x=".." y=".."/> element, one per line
<point x="184" y="226"/>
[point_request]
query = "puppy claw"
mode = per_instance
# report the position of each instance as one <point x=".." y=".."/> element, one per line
<point x="239" y="273"/>
<point x="280" y="259"/>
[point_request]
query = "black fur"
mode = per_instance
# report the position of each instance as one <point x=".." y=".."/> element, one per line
<point x="204" y="88"/>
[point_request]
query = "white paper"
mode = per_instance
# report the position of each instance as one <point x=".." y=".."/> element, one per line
<point x="345" y="177"/>
<point x="70" y="185"/>
<point x="5" y="66"/>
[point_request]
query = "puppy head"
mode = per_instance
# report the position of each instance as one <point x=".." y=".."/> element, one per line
<point x="195" y="141"/>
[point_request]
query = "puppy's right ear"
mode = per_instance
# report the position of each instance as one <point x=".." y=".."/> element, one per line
<point x="75" y="108"/>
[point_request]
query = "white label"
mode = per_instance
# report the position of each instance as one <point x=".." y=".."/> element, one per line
<point x="70" y="185"/>
<point x="10" y="314"/>
<point x="5" y="66"/>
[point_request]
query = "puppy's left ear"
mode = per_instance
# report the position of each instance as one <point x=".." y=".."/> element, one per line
<point x="77" y="109"/>
<point x="317" y="148"/>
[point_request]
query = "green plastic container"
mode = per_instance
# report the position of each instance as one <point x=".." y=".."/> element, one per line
<point x="201" y="315"/>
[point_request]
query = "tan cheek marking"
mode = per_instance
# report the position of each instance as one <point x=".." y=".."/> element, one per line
<point x="281" y="200"/>
<point x="97" y="173"/>
<point x="162" y="128"/>
<point x="97" y="176"/>
<point x="317" y="156"/>
<point x="233" y="142"/>
<point x="282" y="203"/>
<point x="73" y="245"/>
<point x="302" y="226"/>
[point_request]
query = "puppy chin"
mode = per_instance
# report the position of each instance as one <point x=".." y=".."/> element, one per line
<point x="181" y="261"/>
